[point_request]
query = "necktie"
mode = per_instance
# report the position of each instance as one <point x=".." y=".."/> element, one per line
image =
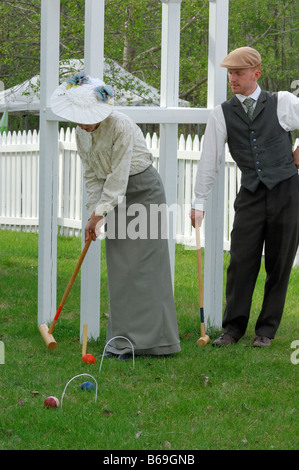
<point x="248" y="103"/>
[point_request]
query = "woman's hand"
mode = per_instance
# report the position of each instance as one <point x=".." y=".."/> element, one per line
<point x="93" y="226"/>
<point x="296" y="157"/>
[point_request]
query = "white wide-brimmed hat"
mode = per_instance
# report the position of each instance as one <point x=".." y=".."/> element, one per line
<point x="83" y="99"/>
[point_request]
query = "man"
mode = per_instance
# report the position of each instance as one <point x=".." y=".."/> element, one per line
<point x="266" y="208"/>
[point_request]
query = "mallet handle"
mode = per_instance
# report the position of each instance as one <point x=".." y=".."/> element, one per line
<point x="84" y="345"/>
<point x="199" y="267"/>
<point x="70" y="284"/>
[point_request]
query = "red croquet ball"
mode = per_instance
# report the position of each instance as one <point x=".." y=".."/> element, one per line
<point x="51" y="402"/>
<point x="88" y="358"/>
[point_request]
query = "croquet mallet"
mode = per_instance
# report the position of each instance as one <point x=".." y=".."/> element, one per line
<point x="204" y="339"/>
<point x="44" y="330"/>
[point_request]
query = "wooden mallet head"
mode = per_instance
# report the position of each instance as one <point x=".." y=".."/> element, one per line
<point x="204" y="339"/>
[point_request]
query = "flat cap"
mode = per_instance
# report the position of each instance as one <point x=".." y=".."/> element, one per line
<point x="242" y="58"/>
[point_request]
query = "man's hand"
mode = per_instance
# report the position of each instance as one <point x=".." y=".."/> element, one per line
<point x="296" y="157"/>
<point x="93" y="226"/>
<point x="196" y="217"/>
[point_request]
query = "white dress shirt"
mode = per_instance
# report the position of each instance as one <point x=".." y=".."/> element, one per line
<point x="110" y="154"/>
<point x="215" y="138"/>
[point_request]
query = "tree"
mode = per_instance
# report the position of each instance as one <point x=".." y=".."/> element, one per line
<point x="272" y="28"/>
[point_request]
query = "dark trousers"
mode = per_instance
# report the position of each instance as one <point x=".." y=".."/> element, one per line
<point x="269" y="219"/>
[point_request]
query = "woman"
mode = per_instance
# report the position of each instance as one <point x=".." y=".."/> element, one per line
<point x="120" y="181"/>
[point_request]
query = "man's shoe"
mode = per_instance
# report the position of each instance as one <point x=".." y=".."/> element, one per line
<point x="261" y="342"/>
<point x="224" y="340"/>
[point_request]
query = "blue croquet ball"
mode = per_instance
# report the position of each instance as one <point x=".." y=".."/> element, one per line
<point x="87" y="386"/>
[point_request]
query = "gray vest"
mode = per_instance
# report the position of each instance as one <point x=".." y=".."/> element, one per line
<point x="261" y="148"/>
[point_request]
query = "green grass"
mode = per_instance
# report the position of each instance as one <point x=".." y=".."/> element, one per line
<point x="209" y="398"/>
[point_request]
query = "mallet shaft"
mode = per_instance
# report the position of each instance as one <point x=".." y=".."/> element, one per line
<point x="204" y="339"/>
<point x="70" y="284"/>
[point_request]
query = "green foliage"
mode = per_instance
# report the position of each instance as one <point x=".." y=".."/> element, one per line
<point x="272" y="28"/>
<point x="20" y="41"/>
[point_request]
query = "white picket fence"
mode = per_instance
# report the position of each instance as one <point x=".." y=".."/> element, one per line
<point x="19" y="179"/>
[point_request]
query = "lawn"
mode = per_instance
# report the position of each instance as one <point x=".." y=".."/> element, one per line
<point x="233" y="398"/>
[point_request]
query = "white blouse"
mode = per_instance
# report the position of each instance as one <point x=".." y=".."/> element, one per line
<point x="110" y="154"/>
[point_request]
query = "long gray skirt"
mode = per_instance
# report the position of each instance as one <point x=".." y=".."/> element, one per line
<point x="141" y="303"/>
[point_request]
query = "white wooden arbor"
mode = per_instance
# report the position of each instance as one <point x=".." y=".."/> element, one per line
<point x="168" y="115"/>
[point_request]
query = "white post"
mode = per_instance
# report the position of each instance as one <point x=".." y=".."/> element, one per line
<point x="91" y="268"/>
<point x="170" y="55"/>
<point x="214" y="220"/>
<point x="47" y="246"/>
